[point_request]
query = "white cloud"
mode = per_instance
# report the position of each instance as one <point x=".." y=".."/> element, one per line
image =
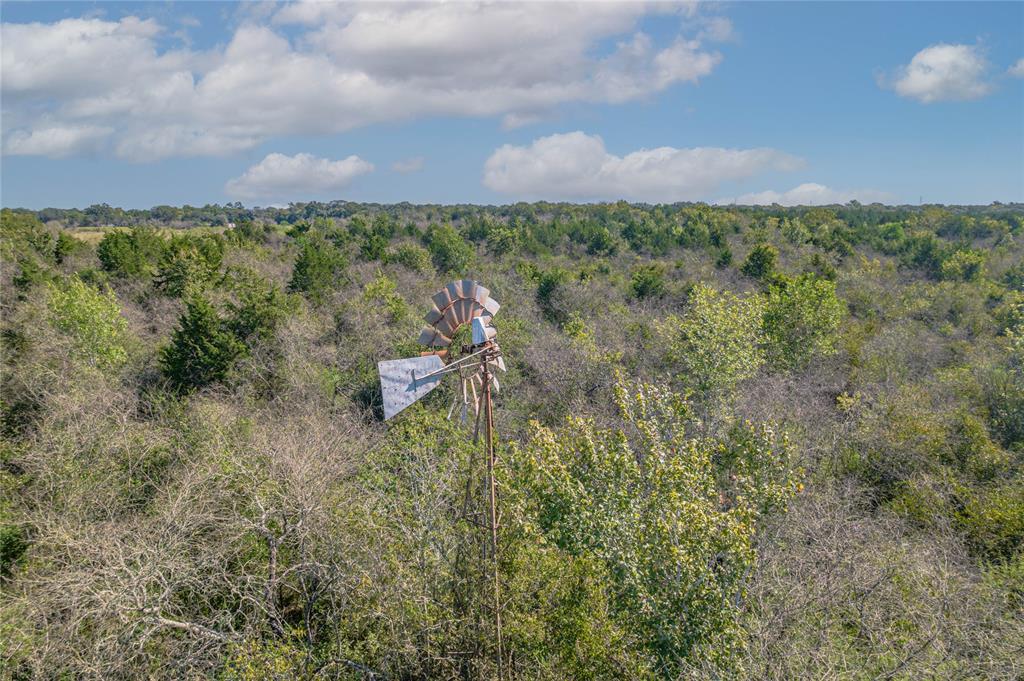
<point x="56" y="141"/>
<point x="943" y="73"/>
<point x="577" y="166"/>
<point x="1017" y="70"/>
<point x="302" y="176"/>
<point x="339" y="66"/>
<point x="717" y="29"/>
<point x="408" y="165"/>
<point x="809" y="194"/>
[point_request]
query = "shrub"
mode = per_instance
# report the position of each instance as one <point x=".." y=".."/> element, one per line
<point x="66" y="246"/>
<point x="994" y="520"/>
<point x="760" y="262"/>
<point x="384" y="291"/>
<point x="23" y="235"/>
<point x="92" y="320"/>
<point x="645" y="502"/>
<point x="317" y="268"/>
<point x="1014" y="277"/>
<point x="261" y="307"/>
<point x="724" y="258"/>
<point x="503" y="241"/>
<point x="134" y="253"/>
<point x="31" y="273"/>
<point x="202" y="350"/>
<point x="188" y="264"/>
<point x="648" y="281"/>
<point x="800" y="320"/>
<point x="247" y="232"/>
<point x="963" y="265"/>
<point x="411" y="256"/>
<point x="449" y="250"/>
<point x="548" y="284"/>
<point x="717" y="343"/>
<point x="373" y="247"/>
<point x="13" y="544"/>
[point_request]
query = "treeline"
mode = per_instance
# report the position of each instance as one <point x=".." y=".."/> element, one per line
<point x="104" y="215"/>
<point x="735" y="442"/>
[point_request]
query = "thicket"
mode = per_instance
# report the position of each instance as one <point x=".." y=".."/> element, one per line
<point x="734" y="442"/>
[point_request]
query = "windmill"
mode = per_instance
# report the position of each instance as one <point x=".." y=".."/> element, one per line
<point x="405" y="381"/>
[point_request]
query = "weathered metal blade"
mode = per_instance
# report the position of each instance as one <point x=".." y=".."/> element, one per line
<point x="434" y="316"/>
<point x="454" y="290"/>
<point x="441" y="299"/>
<point x="402" y="381"/>
<point x="430" y="336"/>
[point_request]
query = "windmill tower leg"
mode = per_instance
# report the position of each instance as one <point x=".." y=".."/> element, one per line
<point x="500" y="655"/>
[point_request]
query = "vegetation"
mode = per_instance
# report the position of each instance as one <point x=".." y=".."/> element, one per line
<point x="734" y="442"/>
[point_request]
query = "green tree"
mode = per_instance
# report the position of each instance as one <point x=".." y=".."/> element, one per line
<point x="800" y="320"/>
<point x="134" y="253"/>
<point x="411" y="256"/>
<point x="66" y="246"/>
<point x="648" y="281"/>
<point x="189" y="263"/>
<point x="317" y="268"/>
<point x="717" y="343"/>
<point x="760" y="262"/>
<point x="963" y="265"/>
<point x="449" y="250"/>
<point x="202" y="350"/>
<point x="503" y="240"/>
<point x="647" y="502"/>
<point x="92" y="320"/>
<point x="260" y="309"/>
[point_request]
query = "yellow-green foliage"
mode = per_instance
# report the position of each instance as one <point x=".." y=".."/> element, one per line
<point x="383" y="291"/>
<point x="717" y="343"/>
<point x="91" y="319"/>
<point x="671" y="518"/>
<point x="801" y="319"/>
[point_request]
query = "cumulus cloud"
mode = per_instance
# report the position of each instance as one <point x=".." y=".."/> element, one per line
<point x="302" y="176"/>
<point x="408" y="165"/>
<point x="943" y="73"/>
<point x="809" y="194"/>
<point x="577" y="166"/>
<point x="1017" y="70"/>
<point x="322" y="68"/>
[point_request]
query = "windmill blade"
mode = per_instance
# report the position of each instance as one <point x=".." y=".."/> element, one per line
<point x="399" y="385"/>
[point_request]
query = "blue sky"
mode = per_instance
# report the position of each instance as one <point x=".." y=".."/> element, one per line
<point x="139" y="104"/>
